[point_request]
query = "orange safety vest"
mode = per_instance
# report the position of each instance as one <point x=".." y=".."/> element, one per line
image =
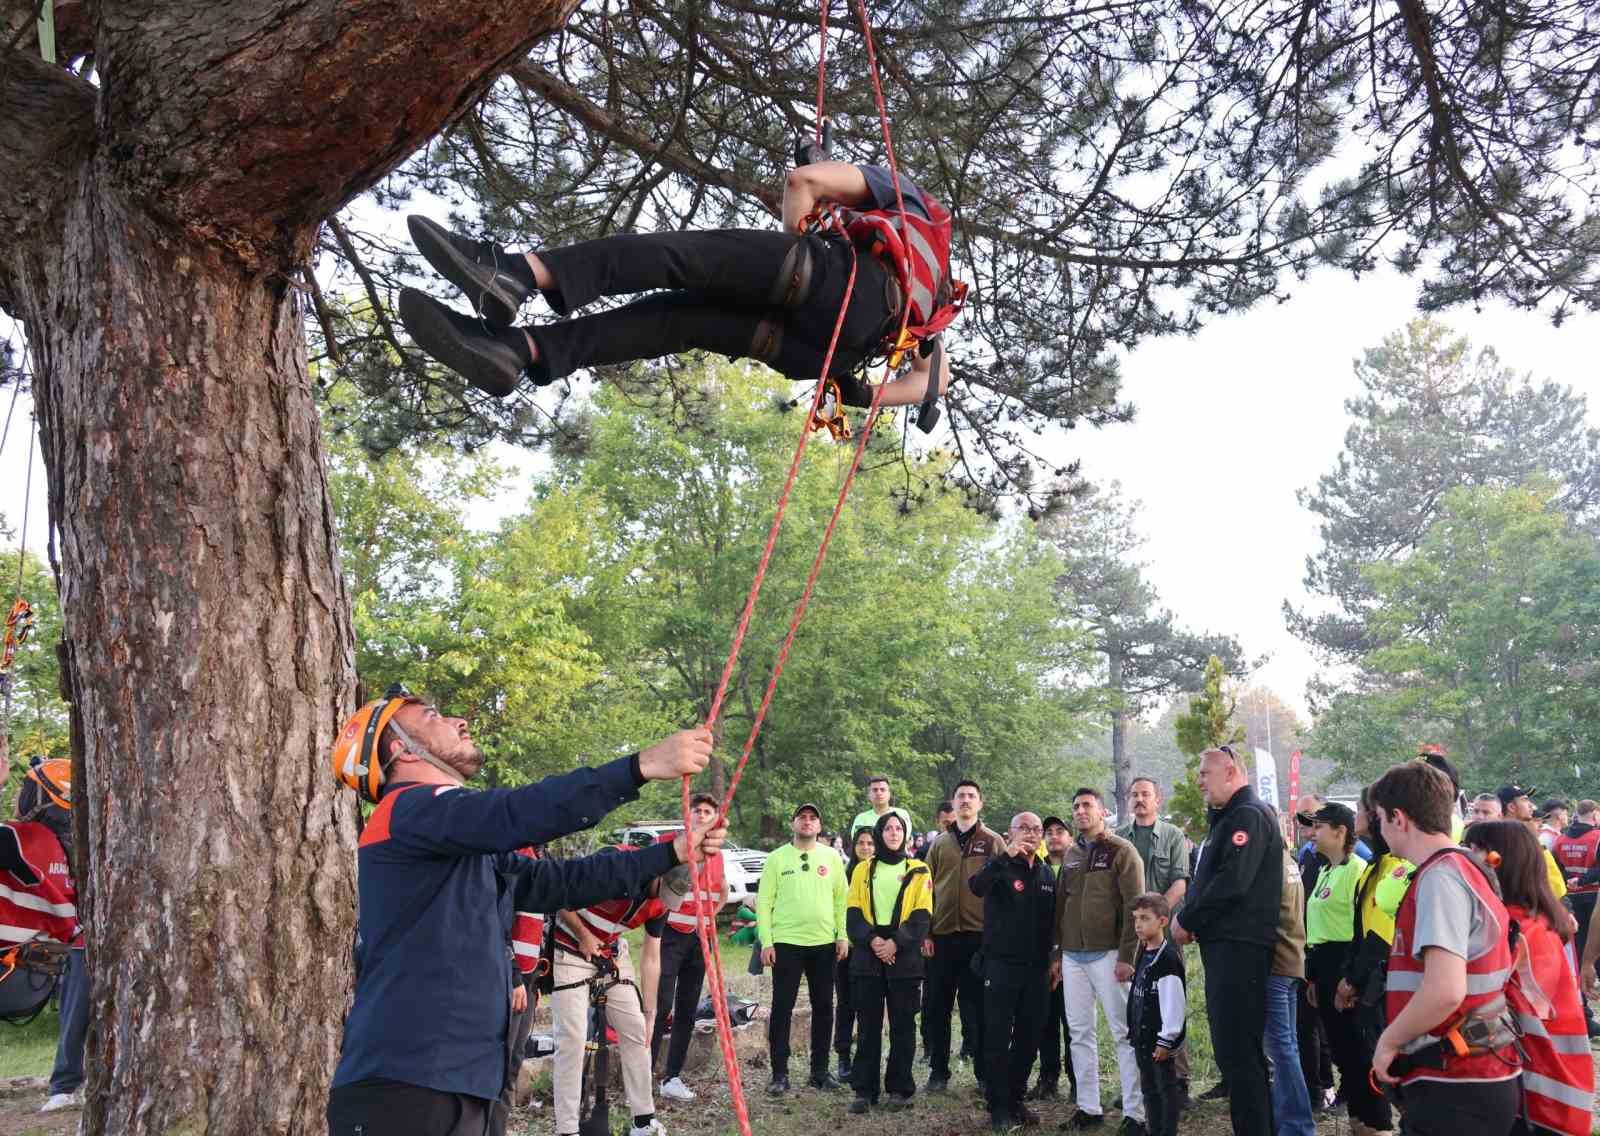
<point x="1487" y="976"/>
<point x="46" y="908"/>
<point x="527" y="931"/>
<point x="682" y="910"/>
<point x="608" y="920"/>
<point x="1558" y="1075"/>
<point x="1576" y="855"/>
<point x="917" y="250"/>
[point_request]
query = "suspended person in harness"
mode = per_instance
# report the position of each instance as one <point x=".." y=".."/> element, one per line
<point x="40" y="936"/>
<point x="425" y="1042"/>
<point x="770" y="296"/>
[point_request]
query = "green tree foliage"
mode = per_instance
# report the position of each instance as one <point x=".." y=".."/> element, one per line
<point x="933" y="648"/>
<point x="1147" y="657"/>
<point x="1117" y="171"/>
<point x="38" y="723"/>
<point x="1208" y="722"/>
<point x="1433" y="415"/>
<point x="1489" y="644"/>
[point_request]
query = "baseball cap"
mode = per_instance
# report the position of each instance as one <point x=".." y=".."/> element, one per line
<point x="1509" y="793"/>
<point x="1331" y="813"/>
<point x="1049" y="820"/>
<point x="802" y="807"/>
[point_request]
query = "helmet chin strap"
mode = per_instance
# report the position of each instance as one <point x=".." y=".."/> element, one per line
<point x="418" y="750"/>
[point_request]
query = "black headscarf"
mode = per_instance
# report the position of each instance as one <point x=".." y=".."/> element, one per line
<point x="885" y="856"/>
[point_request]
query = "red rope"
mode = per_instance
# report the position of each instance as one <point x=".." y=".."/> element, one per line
<point x="705" y="920"/>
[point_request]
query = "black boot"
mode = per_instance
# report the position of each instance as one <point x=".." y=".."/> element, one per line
<point x="496" y="281"/>
<point x="490" y="359"/>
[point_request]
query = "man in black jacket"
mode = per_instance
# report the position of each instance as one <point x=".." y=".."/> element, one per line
<point x="1019" y="909"/>
<point x="1232" y="910"/>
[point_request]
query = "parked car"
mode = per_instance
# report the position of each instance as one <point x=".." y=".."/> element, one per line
<point x="742" y="865"/>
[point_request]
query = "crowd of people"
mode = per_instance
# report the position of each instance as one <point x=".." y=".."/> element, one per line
<point x="1395" y="957"/>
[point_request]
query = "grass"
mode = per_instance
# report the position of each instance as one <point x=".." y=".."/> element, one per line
<point x="30" y="1050"/>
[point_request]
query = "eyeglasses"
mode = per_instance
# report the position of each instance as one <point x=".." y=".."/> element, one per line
<point x="1028" y="828"/>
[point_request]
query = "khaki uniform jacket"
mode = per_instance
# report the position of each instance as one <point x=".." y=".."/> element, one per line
<point x="955" y="907"/>
<point x="1289" y="953"/>
<point x="1098" y="882"/>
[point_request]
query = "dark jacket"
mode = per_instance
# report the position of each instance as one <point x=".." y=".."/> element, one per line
<point x="1239" y="879"/>
<point x="953" y="864"/>
<point x="1145" y="1024"/>
<point x="906" y="924"/>
<point x="433" y="979"/>
<point x="1019" y="909"/>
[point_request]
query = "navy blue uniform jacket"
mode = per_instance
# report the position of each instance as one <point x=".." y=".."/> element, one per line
<point x="433" y="978"/>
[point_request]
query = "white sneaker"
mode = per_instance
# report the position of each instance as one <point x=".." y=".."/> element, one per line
<point x="654" y="1128"/>
<point x="676" y="1090"/>
<point x="58" y="1102"/>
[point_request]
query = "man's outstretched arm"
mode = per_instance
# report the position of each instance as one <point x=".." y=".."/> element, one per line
<point x="840" y="182"/>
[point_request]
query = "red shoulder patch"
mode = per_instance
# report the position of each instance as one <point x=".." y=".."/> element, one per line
<point x="1241" y="838"/>
<point x="1398" y="873"/>
<point x="822" y="869"/>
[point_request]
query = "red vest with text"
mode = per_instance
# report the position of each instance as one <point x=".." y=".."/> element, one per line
<point x="1487" y="974"/>
<point x="682" y="910"/>
<point x="607" y="921"/>
<point x="917" y="249"/>
<point x="527" y="932"/>
<point x="47" y="909"/>
<point x="1576" y="854"/>
<point x="1558" y="1075"/>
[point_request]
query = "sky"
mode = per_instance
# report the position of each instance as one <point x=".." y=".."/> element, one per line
<point x="1230" y="423"/>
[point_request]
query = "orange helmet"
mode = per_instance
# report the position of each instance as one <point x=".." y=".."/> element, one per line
<point x="356" y="760"/>
<point x="1430" y="749"/>
<point x="47" y="779"/>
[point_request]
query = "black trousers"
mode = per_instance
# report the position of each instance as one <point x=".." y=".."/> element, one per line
<point x="1236" y="977"/>
<point x="720" y="287"/>
<point x="816" y="965"/>
<point x="1443" y="1108"/>
<point x="844" y="1016"/>
<point x="871" y="998"/>
<point x="516" y="1047"/>
<point x="1055" y="1044"/>
<point x="1158" y="1081"/>
<point x="394" y="1108"/>
<point x="951" y="977"/>
<point x="683" y="976"/>
<point x="1316" y="1055"/>
<point x="1014" y="998"/>
<point x="1346" y="1042"/>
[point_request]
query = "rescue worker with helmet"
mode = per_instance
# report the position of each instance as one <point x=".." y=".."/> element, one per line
<point x="771" y="296"/>
<point x="1449" y="1047"/>
<point x="38" y="902"/>
<point x="424" y="1050"/>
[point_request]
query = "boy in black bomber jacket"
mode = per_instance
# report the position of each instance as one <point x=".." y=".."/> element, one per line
<point x="1156" y="1012"/>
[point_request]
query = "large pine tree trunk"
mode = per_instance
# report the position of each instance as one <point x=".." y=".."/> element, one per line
<point x="149" y="227"/>
<point x="211" y="654"/>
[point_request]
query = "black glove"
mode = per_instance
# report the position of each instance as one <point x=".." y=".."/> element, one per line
<point x="808" y="150"/>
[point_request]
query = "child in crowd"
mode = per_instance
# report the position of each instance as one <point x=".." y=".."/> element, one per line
<point x="1156" y="1008"/>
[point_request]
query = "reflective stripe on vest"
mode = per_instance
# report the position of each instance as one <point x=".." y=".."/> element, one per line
<point x="916" y="248"/>
<point x="607" y="921"/>
<point x="527" y="940"/>
<point x="1558" y="1074"/>
<point x="47" y="909"/>
<point x="682" y="910"/>
<point x="1486" y="975"/>
<point x="1576" y="854"/>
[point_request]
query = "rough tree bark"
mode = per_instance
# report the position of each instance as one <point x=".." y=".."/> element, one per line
<point x="149" y="228"/>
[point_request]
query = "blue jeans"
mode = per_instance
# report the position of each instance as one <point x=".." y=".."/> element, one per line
<point x="67" y="1075"/>
<point x="1291" y="1103"/>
